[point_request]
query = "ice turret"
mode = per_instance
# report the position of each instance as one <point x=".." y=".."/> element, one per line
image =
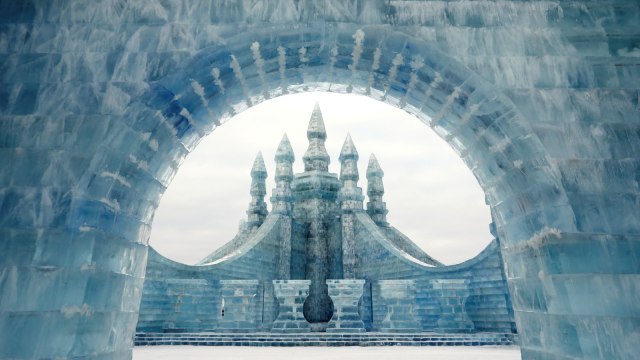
<point x="350" y="195"/>
<point x="350" y="198"/>
<point x="376" y="208"/>
<point x="316" y="157"/>
<point x="257" y="208"/>
<point x="282" y="198"/>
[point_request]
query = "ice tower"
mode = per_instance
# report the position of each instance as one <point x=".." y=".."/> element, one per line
<point x="350" y="199"/>
<point x="376" y="208"/>
<point x="315" y="192"/>
<point x="257" y="208"/>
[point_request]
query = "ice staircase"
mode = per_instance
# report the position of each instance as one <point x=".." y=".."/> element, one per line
<point x="325" y="339"/>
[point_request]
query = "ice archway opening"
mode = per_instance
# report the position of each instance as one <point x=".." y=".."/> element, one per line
<point x="433" y="198"/>
<point x="174" y="113"/>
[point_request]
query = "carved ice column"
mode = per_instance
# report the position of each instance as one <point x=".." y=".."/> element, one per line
<point x="350" y="198"/>
<point x="291" y="295"/>
<point x="452" y="294"/>
<point x="237" y="313"/>
<point x="399" y="297"/>
<point x="345" y="295"/>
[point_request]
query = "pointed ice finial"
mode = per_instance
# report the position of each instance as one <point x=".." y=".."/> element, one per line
<point x="316" y="124"/>
<point x="348" y="149"/>
<point x="284" y="152"/>
<point x="376" y="208"/>
<point x="374" y="169"/>
<point x="350" y="194"/>
<point x="258" y="166"/>
<point x="349" y="162"/>
<point x="316" y="157"/>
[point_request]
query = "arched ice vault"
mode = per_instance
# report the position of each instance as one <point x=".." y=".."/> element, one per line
<point x="100" y="104"/>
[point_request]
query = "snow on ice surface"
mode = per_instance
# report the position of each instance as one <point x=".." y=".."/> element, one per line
<point x="326" y="353"/>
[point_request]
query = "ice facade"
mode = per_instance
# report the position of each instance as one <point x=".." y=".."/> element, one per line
<point x="322" y="262"/>
<point x="100" y="103"/>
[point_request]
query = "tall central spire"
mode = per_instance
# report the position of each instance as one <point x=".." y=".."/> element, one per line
<point x="316" y="157"/>
<point x="315" y="208"/>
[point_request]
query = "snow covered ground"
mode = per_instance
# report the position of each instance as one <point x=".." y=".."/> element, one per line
<point x="326" y="353"/>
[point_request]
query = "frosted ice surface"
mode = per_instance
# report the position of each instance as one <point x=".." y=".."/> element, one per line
<point x="99" y="105"/>
<point x="314" y="353"/>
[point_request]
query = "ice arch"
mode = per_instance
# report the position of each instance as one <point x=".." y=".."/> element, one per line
<point x="195" y="100"/>
<point x="101" y="103"/>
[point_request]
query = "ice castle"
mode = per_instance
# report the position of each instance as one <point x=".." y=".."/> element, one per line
<point x="100" y="102"/>
<point x="320" y="262"/>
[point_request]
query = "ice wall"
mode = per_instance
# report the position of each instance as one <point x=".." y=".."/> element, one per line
<point x="100" y="102"/>
<point x="188" y="298"/>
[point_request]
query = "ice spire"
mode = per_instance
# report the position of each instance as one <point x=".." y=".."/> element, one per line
<point x="376" y="208"/>
<point x="257" y="208"/>
<point x="350" y="195"/>
<point x="282" y="198"/>
<point x="316" y="157"/>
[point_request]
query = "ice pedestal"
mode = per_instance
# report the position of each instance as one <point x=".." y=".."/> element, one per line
<point x="399" y="297"/>
<point x="345" y="295"/>
<point x="452" y="294"/>
<point x="237" y="311"/>
<point x="291" y="295"/>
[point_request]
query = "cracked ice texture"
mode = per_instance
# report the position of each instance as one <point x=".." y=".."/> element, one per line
<point x="100" y="103"/>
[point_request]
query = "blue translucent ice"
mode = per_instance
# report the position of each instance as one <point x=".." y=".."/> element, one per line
<point x="100" y="103"/>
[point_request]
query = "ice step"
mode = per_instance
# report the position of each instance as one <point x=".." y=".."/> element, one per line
<point x="324" y="339"/>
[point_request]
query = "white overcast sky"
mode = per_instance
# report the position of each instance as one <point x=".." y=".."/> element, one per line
<point x="431" y="195"/>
